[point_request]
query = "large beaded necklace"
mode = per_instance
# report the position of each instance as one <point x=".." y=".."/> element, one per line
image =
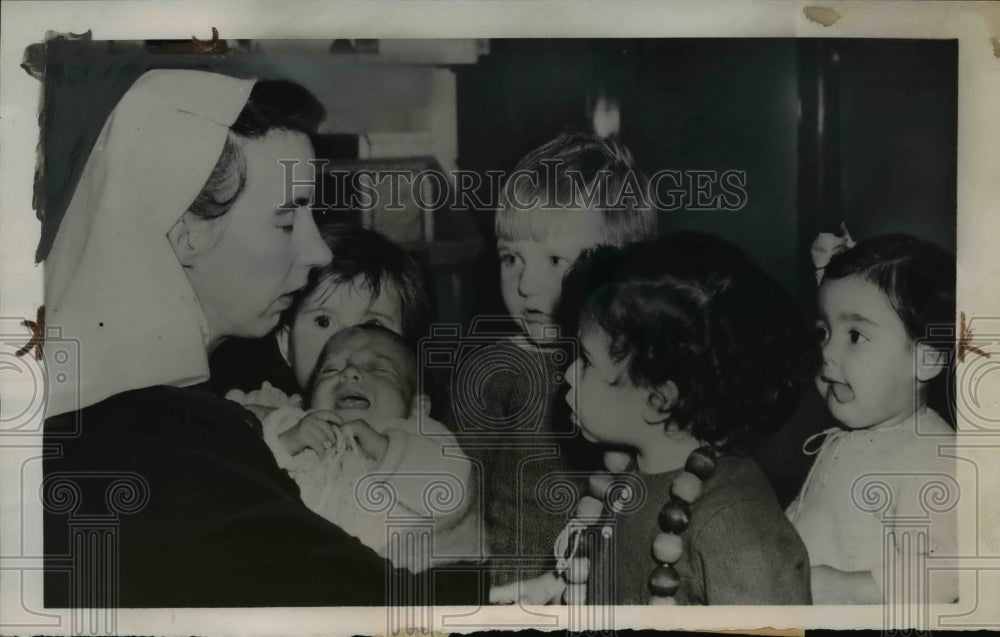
<point x="674" y="518"/>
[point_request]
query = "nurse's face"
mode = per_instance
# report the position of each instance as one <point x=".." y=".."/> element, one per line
<point x="263" y="248"/>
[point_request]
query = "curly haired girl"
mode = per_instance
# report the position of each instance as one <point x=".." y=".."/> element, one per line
<point x="688" y="354"/>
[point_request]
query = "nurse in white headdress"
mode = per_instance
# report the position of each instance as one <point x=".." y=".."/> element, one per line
<point x="185" y="229"/>
<point x="191" y="223"/>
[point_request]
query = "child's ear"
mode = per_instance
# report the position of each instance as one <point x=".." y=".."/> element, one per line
<point x="660" y="402"/>
<point x="421" y="406"/>
<point x="930" y="362"/>
<point x="193" y="236"/>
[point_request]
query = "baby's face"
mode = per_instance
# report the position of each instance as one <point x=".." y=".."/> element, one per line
<point x="531" y="271"/>
<point x="365" y="374"/>
<point x="331" y="308"/>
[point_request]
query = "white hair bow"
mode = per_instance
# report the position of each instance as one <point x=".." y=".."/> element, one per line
<point x="826" y="245"/>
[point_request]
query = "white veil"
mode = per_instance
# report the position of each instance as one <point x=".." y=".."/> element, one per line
<point x="112" y="281"/>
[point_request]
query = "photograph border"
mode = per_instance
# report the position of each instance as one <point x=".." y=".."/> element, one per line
<point x="976" y="26"/>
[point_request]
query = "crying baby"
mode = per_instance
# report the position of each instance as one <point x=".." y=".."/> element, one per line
<point x="366" y="430"/>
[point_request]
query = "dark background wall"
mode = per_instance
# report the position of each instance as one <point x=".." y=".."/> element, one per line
<point x="898" y="137"/>
<point x="861" y="131"/>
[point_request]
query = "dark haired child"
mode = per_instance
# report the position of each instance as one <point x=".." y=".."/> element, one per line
<point x="570" y="194"/>
<point x="688" y="355"/>
<point x="370" y="280"/>
<point x="885" y="378"/>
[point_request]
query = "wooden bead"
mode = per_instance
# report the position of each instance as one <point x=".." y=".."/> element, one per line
<point x="675" y="516"/>
<point x="589" y="508"/>
<point x="656" y="600"/>
<point x="664" y="581"/>
<point x="668" y="548"/>
<point x="687" y="487"/>
<point x="598" y="483"/>
<point x="617" y="461"/>
<point x="701" y="463"/>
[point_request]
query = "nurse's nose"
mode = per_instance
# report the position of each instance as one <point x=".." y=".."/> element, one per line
<point x="311" y="250"/>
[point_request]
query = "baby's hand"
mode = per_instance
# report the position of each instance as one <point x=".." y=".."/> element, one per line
<point x="317" y="430"/>
<point x="372" y="443"/>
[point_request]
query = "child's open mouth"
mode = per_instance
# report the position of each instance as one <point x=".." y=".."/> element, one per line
<point x="352" y="401"/>
<point x="843" y="393"/>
